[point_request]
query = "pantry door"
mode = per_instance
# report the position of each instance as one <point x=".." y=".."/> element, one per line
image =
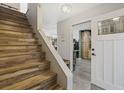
<point x="107" y="62"/>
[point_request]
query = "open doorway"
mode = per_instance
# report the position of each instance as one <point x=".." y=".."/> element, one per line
<point x="85" y="44"/>
<point x="82" y="56"/>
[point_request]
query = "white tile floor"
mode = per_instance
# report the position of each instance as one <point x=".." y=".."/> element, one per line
<point x="82" y="76"/>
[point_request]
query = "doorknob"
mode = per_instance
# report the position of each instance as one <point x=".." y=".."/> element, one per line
<point x="93" y="49"/>
<point x="93" y="54"/>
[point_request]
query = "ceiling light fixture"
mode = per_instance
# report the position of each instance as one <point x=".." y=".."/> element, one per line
<point x="116" y="19"/>
<point x="66" y="8"/>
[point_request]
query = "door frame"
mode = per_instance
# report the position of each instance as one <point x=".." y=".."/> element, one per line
<point x="94" y="29"/>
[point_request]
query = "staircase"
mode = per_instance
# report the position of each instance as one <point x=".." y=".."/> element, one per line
<point x="22" y="60"/>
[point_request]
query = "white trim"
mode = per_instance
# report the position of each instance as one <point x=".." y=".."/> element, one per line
<point x="58" y="58"/>
<point x="105" y="85"/>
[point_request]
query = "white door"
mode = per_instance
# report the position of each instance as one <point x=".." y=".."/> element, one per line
<point x="107" y="66"/>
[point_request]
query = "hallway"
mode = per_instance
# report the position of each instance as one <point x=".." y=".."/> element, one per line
<point x="82" y="76"/>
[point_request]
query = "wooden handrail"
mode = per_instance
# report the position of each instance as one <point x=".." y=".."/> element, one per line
<point x="8" y="6"/>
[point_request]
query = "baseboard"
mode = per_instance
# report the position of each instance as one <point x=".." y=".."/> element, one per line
<point x="105" y="85"/>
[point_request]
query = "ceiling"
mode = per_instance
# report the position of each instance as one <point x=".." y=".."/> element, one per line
<point x="52" y="13"/>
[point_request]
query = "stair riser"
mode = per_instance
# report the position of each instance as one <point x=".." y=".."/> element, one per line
<point x="14" y="80"/>
<point x="45" y="82"/>
<point x="49" y="83"/>
<point x="22" y="77"/>
<point x="10" y="51"/>
<point x="7" y="48"/>
<point x="13" y="15"/>
<point x="11" y="61"/>
<point x="12" y="12"/>
<point x="15" y="21"/>
<point x="9" y="64"/>
<point x="22" y="67"/>
<point x="17" y="43"/>
<point x="28" y="36"/>
<point x="9" y="54"/>
<point x="11" y="34"/>
<point x="26" y="84"/>
<point x="13" y="24"/>
<point x="53" y="86"/>
<point x="44" y="85"/>
<point x="3" y="15"/>
<point x="22" y="50"/>
<point x="17" y="39"/>
<point x="7" y="42"/>
<point x="18" y="29"/>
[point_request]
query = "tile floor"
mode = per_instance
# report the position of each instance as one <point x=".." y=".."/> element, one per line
<point x="82" y="76"/>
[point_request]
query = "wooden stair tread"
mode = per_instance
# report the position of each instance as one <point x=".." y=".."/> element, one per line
<point x="4" y="14"/>
<point x="12" y="11"/>
<point x="16" y="34"/>
<point x="9" y="63"/>
<point x="6" y="61"/>
<point x="35" y="67"/>
<point x="56" y="87"/>
<point x="2" y="54"/>
<point x="18" y="39"/>
<point x="13" y="18"/>
<point x="22" y="61"/>
<point x="14" y="28"/>
<point x="59" y="87"/>
<point x="20" y="67"/>
<point x="15" y="47"/>
<point x="44" y="85"/>
<point x="12" y="32"/>
<point x="13" y="23"/>
<point x="13" y="43"/>
<point x="19" y="76"/>
<point x="17" y="73"/>
<point x="31" y="81"/>
<point x="53" y="86"/>
<point x="20" y="48"/>
<point x="12" y="14"/>
<point x="20" y="57"/>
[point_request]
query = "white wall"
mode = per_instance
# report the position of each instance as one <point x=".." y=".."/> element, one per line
<point x="79" y="27"/>
<point x="32" y="15"/>
<point x="65" y="30"/>
<point x="23" y="7"/>
<point x="50" y="31"/>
